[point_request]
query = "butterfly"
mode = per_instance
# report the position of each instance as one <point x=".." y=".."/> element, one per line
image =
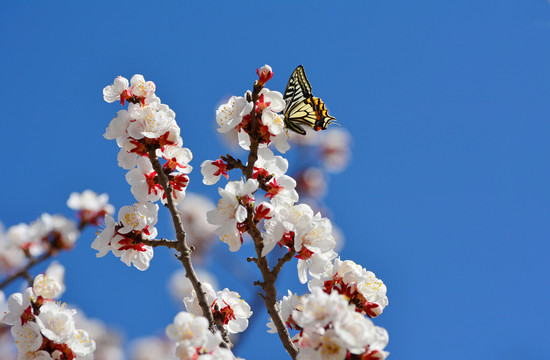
<point x="302" y="108"/>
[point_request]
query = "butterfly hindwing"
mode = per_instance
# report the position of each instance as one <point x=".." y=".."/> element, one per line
<point x="302" y="108"/>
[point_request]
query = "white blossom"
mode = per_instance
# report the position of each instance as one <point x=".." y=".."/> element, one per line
<point x="227" y="305"/>
<point x="11" y="254"/>
<point x="178" y="158"/>
<point x="127" y="159"/>
<point x="81" y="344"/>
<point x="355" y="330"/>
<point x="152" y="122"/>
<point x="140" y="87"/>
<point x="24" y="237"/>
<point x="212" y="171"/>
<point x="237" y="310"/>
<point x="274" y="165"/>
<point x="118" y="127"/>
<point x="90" y="201"/>
<point x="142" y="181"/>
<point x="310" y="235"/>
<point x="318" y="309"/>
<point x="46" y="287"/>
<point x="231" y="211"/>
<point x="321" y="346"/>
<point x="191" y="302"/>
<point x="56" y="322"/>
<point x="102" y="242"/>
<point x="140" y="255"/>
<point x="138" y="217"/>
<point x="57" y="229"/>
<point x="355" y="281"/>
<point x="111" y="93"/>
<point x="17" y="304"/>
<point x="229" y="115"/>
<point x="188" y="330"/>
<point x="27" y="337"/>
<point x="122" y="238"/>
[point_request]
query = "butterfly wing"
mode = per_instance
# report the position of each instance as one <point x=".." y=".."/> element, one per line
<point x="302" y="108"/>
<point x="298" y="88"/>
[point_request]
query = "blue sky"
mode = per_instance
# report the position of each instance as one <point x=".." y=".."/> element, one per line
<point x="447" y="197"/>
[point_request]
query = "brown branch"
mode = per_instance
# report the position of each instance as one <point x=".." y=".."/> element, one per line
<point x="269" y="277"/>
<point x="268" y="285"/>
<point x="160" y="242"/>
<point x="232" y="163"/>
<point x="183" y="248"/>
<point x="286" y="258"/>
<point x="24" y="272"/>
<point x="219" y="323"/>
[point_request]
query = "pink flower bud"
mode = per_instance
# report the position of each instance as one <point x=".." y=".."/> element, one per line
<point x="265" y="73"/>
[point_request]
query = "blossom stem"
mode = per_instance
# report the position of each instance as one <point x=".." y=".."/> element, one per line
<point x="254" y="136"/>
<point x="25" y="271"/>
<point x="184" y="249"/>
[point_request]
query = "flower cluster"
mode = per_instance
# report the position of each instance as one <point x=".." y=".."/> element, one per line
<point x="147" y="128"/>
<point x="308" y="234"/>
<point x="91" y="207"/>
<point x="145" y="132"/>
<point x="330" y="328"/>
<point x="194" y="340"/>
<point x="50" y="284"/>
<point x="236" y="114"/>
<point x="44" y="329"/>
<point x="125" y="237"/>
<point x="227" y="307"/>
<point x="231" y="212"/>
<point x="47" y="234"/>
<point x="359" y="286"/>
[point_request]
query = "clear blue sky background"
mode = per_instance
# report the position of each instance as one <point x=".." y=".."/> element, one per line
<point x="447" y="199"/>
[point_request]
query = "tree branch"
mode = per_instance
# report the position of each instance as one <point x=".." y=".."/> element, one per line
<point x="160" y="242"/>
<point x="268" y="285"/>
<point x="183" y="248"/>
<point x="24" y="272"/>
<point x="269" y="277"/>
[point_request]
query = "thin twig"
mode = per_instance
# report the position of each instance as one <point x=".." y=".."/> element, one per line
<point x="24" y="272"/>
<point x="254" y="141"/>
<point x="184" y="250"/>
<point x="232" y="163"/>
<point x="286" y="258"/>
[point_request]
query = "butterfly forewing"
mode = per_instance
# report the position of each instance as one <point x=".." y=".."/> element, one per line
<point x="298" y="88"/>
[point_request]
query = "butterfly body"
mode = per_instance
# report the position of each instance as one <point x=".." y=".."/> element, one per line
<point x="302" y="108"/>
